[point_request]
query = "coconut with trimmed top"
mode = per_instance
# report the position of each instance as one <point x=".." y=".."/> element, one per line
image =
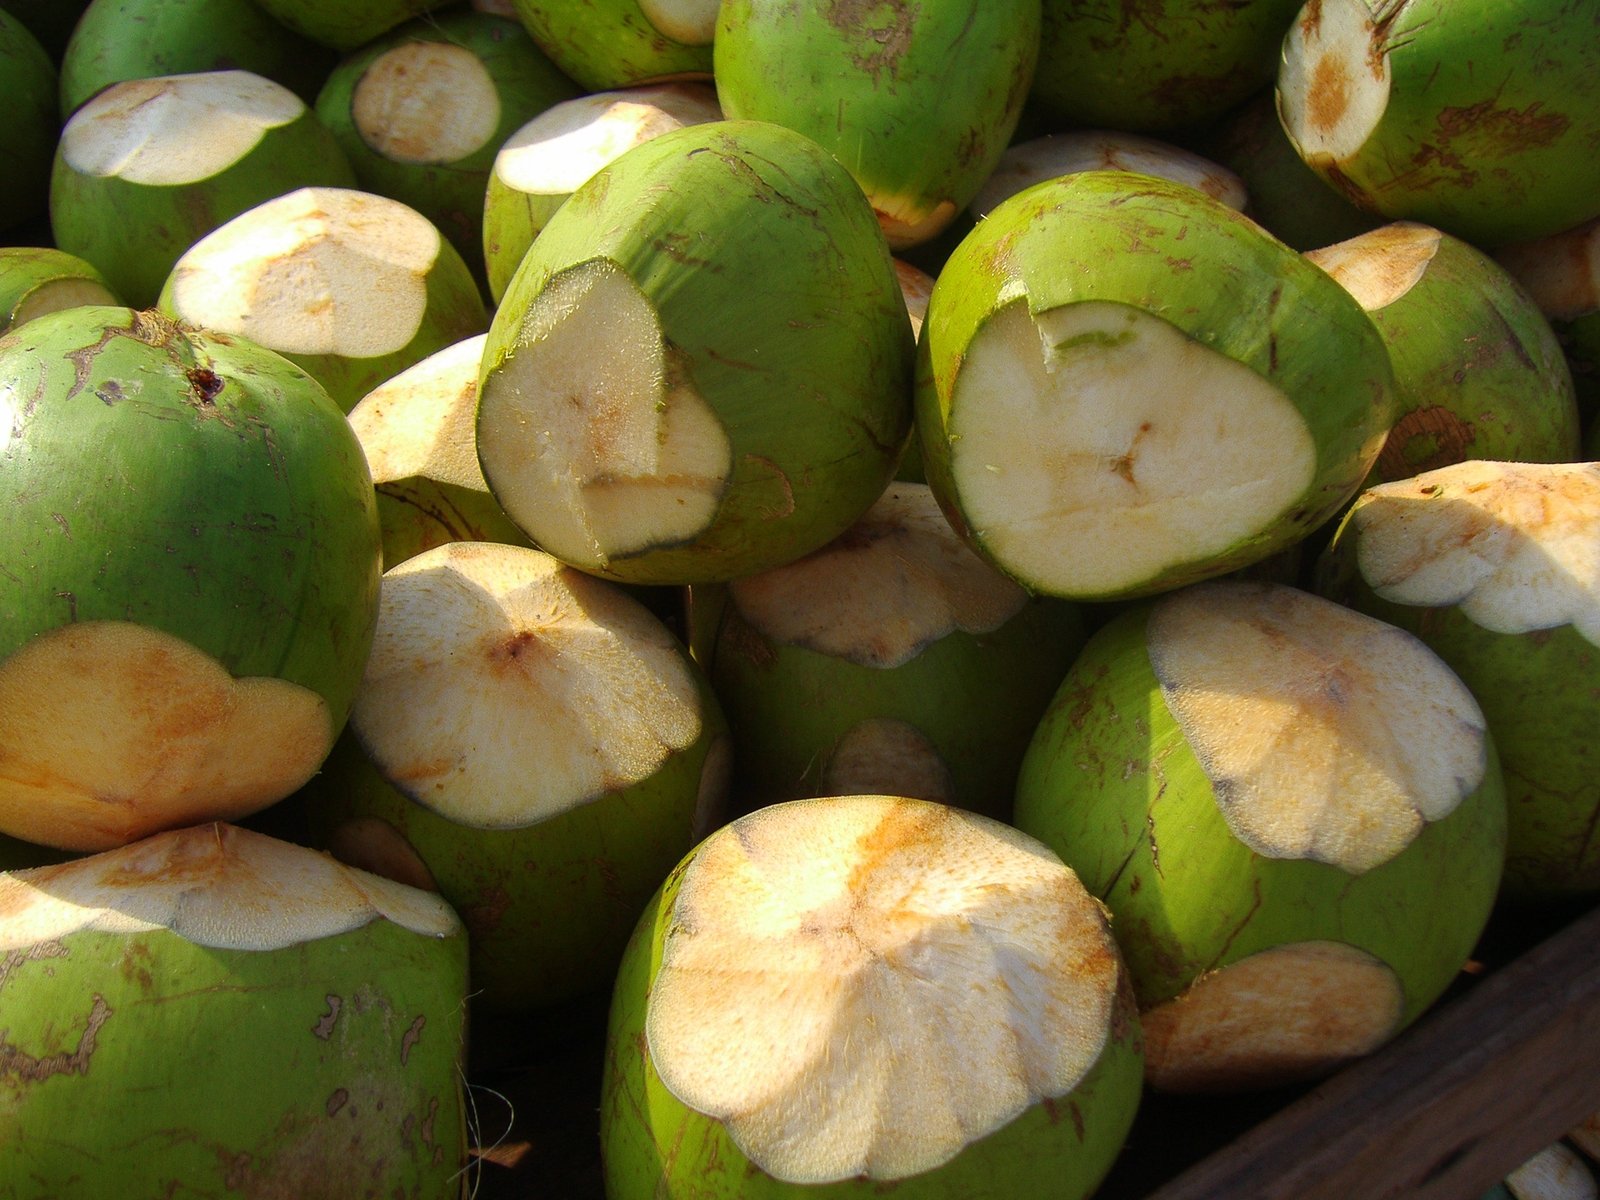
<point x="607" y="44"/>
<point x="854" y="995"/>
<point x="192" y="578"/>
<point x="348" y="24"/>
<point x="1127" y="386"/>
<point x="1294" y="813"/>
<point x="35" y="280"/>
<point x="244" y="1015"/>
<point x="1495" y="566"/>
<point x="1562" y="274"/>
<point x="351" y="286"/>
<point x="702" y="367"/>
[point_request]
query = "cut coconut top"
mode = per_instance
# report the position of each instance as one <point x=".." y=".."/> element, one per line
<point x="504" y="688"/>
<point x="175" y="129"/>
<point x="865" y="985"/>
<point x="892" y="585"/>
<point x="1381" y="266"/>
<point x="1334" y="80"/>
<point x="316" y="271"/>
<point x="1515" y="545"/>
<point x="1555" y="1173"/>
<point x="426" y="102"/>
<point x="889" y="756"/>
<point x="213" y="885"/>
<point x="422" y="422"/>
<point x="1561" y="272"/>
<point x="1326" y="734"/>
<point x="916" y="286"/>
<point x="691" y="22"/>
<point x="559" y="150"/>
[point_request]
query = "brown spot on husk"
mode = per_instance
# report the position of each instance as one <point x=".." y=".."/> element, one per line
<point x="21" y="1067"/>
<point x="883" y="41"/>
<point x="1424" y="439"/>
<point x="1328" y="97"/>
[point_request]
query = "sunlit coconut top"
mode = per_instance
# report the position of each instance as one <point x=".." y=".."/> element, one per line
<point x="865" y="985"/>
<point x="1334" y="81"/>
<point x="1326" y="734"/>
<point x="214" y="885"/>
<point x="1380" y="266"/>
<point x="426" y="102"/>
<point x="421" y="423"/>
<point x="1515" y="545"/>
<point x="894" y="583"/>
<point x="1561" y="272"/>
<point x="175" y="129"/>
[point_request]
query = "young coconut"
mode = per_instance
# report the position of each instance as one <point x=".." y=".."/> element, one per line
<point x="351" y="286"/>
<point x="893" y="660"/>
<point x="702" y="367"/>
<point x="1478" y="370"/>
<point x="862" y="994"/>
<point x="28" y="77"/>
<point x="35" y="280"/>
<point x="1127" y="386"/>
<point x="544" y="746"/>
<point x="212" y="1011"/>
<point x="1562" y="274"/>
<point x="1388" y="101"/>
<point x="176" y="157"/>
<point x="192" y="578"/>
<point x="1294" y="814"/>
<point x="608" y="44"/>
<point x="1494" y="566"/>
<point x="348" y="24"/>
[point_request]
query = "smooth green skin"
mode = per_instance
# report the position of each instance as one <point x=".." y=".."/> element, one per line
<point x="975" y="697"/>
<point x="26" y="269"/>
<point x="605" y="44"/>
<point x="1110" y="785"/>
<point x="50" y="21"/>
<point x="654" y="1147"/>
<point x="1492" y="122"/>
<point x="1160" y="67"/>
<point x="1173" y="252"/>
<point x="28" y="137"/>
<point x="141" y="39"/>
<point x="92" y="214"/>
<point x="511" y="220"/>
<point x="918" y="101"/>
<point x="450" y="194"/>
<point x="771" y="277"/>
<point x="347" y="24"/>
<point x="218" y="1071"/>
<point x="418" y="514"/>
<point x="244" y="524"/>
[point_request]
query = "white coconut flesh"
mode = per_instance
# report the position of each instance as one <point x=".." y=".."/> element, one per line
<point x="110" y="731"/>
<point x="214" y="885"/>
<point x="421" y="424"/>
<point x="909" y="221"/>
<point x="426" y="102"/>
<point x="316" y="271"/>
<point x="176" y="129"/>
<point x="897" y="581"/>
<point x="690" y="22"/>
<point x="1380" y="267"/>
<point x="1515" y="545"/>
<point x="1334" y="79"/>
<point x="504" y="688"/>
<point x="865" y="985"/>
<point x="1326" y="734"/>
<point x="1290" y="1012"/>
<point x="591" y="433"/>
<point x="1555" y="1173"/>
<point x="885" y="756"/>
<point x="1560" y="272"/>
<point x="559" y="150"/>
<point x="1094" y="446"/>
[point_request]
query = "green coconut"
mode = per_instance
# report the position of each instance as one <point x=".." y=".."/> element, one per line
<point x="607" y="44"/>
<point x="1562" y="274"/>
<point x="702" y="367"/>
<point x="192" y="577"/>
<point x="917" y="100"/>
<point x="1493" y="566"/>
<point x="175" y="157"/>
<point x="51" y="21"/>
<point x="351" y="286"/>
<point x="1294" y="814"/>
<point x="856" y="995"/>
<point x="1390" y="101"/>
<point x="1478" y="370"/>
<point x="555" y="153"/>
<point x="213" y="1011"/>
<point x="544" y="747"/>
<point x="35" y="280"/>
<point x="348" y="24"/>
<point x="28" y="143"/>
<point x="1127" y="386"/>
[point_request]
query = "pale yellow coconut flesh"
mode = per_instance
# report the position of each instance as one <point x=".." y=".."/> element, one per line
<point x="1326" y="734"/>
<point x="1290" y="1012"/>
<point x="864" y="985"/>
<point x="1555" y="1173"/>
<point x="110" y="731"/>
<point x="316" y="271"/>
<point x="1333" y="81"/>
<point x="908" y="221"/>
<point x="426" y="102"/>
<point x="1380" y="267"/>
<point x="56" y="295"/>
<point x="1515" y="545"/>
<point x="882" y="755"/>
<point x="175" y="129"/>
<point x="421" y="424"/>
<point x="1561" y="272"/>
<point x="593" y="438"/>
<point x="559" y="150"/>
<point x="1027" y="163"/>
<point x="1095" y="446"/>
<point x="897" y="581"/>
<point x="916" y="286"/>
<point x="504" y="688"/>
<point x="213" y="885"/>
<point x="691" y="22"/>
